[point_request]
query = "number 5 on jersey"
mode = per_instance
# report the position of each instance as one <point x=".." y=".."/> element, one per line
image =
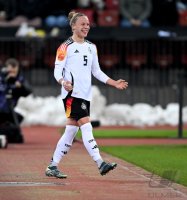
<point x="85" y="60"/>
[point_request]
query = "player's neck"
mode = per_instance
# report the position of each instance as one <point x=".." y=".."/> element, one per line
<point x="77" y="39"/>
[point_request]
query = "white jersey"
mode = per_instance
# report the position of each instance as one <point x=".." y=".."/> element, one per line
<point x="76" y="62"/>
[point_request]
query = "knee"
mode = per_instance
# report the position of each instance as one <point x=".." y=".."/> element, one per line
<point x="86" y="127"/>
<point x="70" y="129"/>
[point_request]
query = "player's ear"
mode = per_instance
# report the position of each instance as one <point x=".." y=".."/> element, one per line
<point x="73" y="27"/>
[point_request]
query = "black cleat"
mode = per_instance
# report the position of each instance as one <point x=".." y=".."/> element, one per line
<point x="53" y="171"/>
<point x="106" y="167"/>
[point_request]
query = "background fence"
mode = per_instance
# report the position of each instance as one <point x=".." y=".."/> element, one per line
<point x="151" y="66"/>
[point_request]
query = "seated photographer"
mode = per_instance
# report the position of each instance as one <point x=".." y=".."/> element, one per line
<point x="12" y="87"/>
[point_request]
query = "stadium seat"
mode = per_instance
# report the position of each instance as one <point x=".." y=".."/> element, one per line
<point x="89" y="13"/>
<point x="109" y="60"/>
<point x="49" y="60"/>
<point x="183" y="18"/>
<point x="136" y="60"/>
<point x="3" y="59"/>
<point x="108" y="18"/>
<point x="184" y="59"/>
<point x="164" y="60"/>
<point x="26" y="61"/>
<point x="112" y="4"/>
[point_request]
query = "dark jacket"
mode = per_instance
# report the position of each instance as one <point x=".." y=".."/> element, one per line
<point x="9" y="90"/>
<point x="135" y="9"/>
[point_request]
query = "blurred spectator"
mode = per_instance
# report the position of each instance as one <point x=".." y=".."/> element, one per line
<point x="33" y="12"/>
<point x="56" y="15"/>
<point x="164" y="13"/>
<point x="18" y="12"/>
<point x="56" y="21"/>
<point x="182" y="11"/>
<point x="98" y="4"/>
<point x="12" y="87"/>
<point x="28" y="8"/>
<point x="2" y="11"/>
<point x="135" y="12"/>
<point x="181" y="5"/>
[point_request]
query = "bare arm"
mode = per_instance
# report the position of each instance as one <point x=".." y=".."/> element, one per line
<point x="147" y="11"/>
<point x="124" y="9"/>
<point x="100" y="75"/>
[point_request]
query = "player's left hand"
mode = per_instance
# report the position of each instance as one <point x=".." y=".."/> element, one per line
<point x="121" y="84"/>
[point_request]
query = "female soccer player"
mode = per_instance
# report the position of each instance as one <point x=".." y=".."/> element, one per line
<point x="76" y="61"/>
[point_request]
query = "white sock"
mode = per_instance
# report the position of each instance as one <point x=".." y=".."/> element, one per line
<point x="90" y="143"/>
<point x="99" y="162"/>
<point x="64" y="144"/>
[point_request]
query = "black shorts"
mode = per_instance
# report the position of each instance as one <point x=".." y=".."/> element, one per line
<point x="76" y="108"/>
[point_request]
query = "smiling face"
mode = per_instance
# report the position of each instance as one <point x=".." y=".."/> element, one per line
<point x="81" y="27"/>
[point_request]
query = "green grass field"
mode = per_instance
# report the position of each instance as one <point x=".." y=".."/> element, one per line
<point x="139" y="133"/>
<point x="162" y="160"/>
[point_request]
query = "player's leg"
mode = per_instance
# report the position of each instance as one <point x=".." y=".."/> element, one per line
<point x="62" y="148"/>
<point x="64" y="144"/>
<point x="92" y="147"/>
<point x="65" y="141"/>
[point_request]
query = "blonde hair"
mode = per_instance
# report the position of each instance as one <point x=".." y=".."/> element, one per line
<point x="73" y="16"/>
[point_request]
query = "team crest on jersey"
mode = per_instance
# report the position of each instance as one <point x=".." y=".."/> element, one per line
<point x="83" y="106"/>
<point x="89" y="50"/>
